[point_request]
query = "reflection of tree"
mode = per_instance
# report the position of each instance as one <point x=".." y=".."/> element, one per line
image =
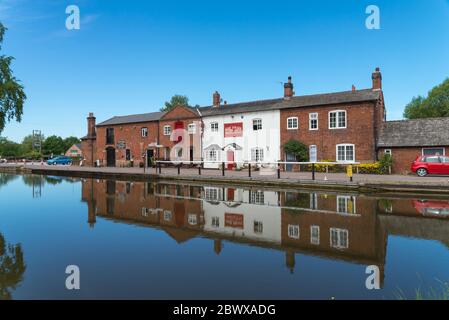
<point x="5" y="178"/>
<point x="12" y="267"/>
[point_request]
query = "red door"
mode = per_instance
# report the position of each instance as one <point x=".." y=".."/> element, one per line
<point x="230" y="158"/>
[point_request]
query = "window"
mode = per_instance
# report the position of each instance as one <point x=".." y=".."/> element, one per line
<point x="337" y="119"/>
<point x="191" y="219"/>
<point x="178" y="152"/>
<point x="444" y="159"/>
<point x="346" y="204"/>
<point x="216" y="222"/>
<point x="339" y="238"/>
<point x="128" y="155"/>
<point x="258" y="226"/>
<point x="314" y="201"/>
<point x="292" y="123"/>
<point x="387" y="151"/>
<point x="313" y="155"/>
<point x="167" y="215"/>
<point x="432" y="159"/>
<point x="433" y="151"/>
<point x="315" y="235"/>
<point x="293" y="231"/>
<point x="214" y="127"/>
<point x="144" y="132"/>
<point x="313" y="121"/>
<point x="167" y="130"/>
<point x="257" y="154"/>
<point x="192" y="128"/>
<point x="257" y="197"/>
<point x="144" y="212"/>
<point x="110" y="136"/>
<point x="345" y="152"/>
<point x="212" y="155"/>
<point x="257" y="124"/>
<point x="212" y="194"/>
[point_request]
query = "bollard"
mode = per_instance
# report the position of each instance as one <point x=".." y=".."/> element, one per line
<point x="313" y="171"/>
<point x="160" y="167"/>
<point x="199" y="169"/>
<point x="179" y="169"/>
<point x="279" y="172"/>
<point x="249" y="170"/>
<point x="223" y="169"/>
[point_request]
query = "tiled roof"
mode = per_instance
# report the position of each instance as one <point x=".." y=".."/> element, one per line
<point x="294" y="102"/>
<point x="134" y="118"/>
<point x="415" y="133"/>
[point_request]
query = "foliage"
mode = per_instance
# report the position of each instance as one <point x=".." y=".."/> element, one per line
<point x="12" y="95"/>
<point x="386" y="162"/>
<point x="12" y="267"/>
<point x="53" y="145"/>
<point x="176" y="100"/>
<point x="436" y="104"/>
<point x="298" y="149"/>
<point x="8" y="148"/>
<point x="70" y="141"/>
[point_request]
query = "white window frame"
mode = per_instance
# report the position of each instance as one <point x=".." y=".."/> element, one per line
<point x="346" y="200"/>
<point x="257" y="197"/>
<point x="345" y="145"/>
<point x="167" y="215"/>
<point x="258" y="123"/>
<point x="214" y="126"/>
<point x="444" y="150"/>
<point x="167" y="130"/>
<point x="292" y="127"/>
<point x="144" y="132"/>
<point x="210" y="158"/>
<point x="337" y="119"/>
<point x="191" y="128"/>
<point x="311" y="119"/>
<point x="257" y="154"/>
<point x="192" y="219"/>
<point x="388" y="151"/>
<point x="315" y="239"/>
<point x="339" y="243"/>
<point x="258" y="226"/>
<point x="212" y="194"/>
<point x="297" y="232"/>
<point x="215" y="222"/>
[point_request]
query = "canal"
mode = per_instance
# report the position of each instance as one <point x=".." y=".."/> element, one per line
<point x="146" y="240"/>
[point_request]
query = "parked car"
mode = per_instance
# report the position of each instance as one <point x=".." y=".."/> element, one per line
<point x="432" y="207"/>
<point x="59" y="160"/>
<point x="3" y="160"/>
<point x="430" y="164"/>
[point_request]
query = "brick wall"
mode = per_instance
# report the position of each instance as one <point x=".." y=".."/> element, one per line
<point x="359" y="130"/>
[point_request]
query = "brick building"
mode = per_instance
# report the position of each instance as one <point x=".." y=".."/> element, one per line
<point x="346" y="126"/>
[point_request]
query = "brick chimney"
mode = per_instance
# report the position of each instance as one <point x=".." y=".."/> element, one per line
<point x="377" y="79"/>
<point x="353" y="88"/>
<point x="216" y="100"/>
<point x="288" y="89"/>
<point x="91" y="125"/>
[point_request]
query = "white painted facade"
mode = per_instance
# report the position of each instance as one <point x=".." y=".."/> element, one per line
<point x="254" y="215"/>
<point x="262" y="145"/>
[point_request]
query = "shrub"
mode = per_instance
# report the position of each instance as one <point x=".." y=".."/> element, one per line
<point x="298" y="149"/>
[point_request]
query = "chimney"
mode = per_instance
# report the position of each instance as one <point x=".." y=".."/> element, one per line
<point x="91" y="125"/>
<point x="353" y="88"/>
<point x="377" y="79"/>
<point x="216" y="99"/>
<point x="288" y="89"/>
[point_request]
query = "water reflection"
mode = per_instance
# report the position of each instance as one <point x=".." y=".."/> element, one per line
<point x="12" y="268"/>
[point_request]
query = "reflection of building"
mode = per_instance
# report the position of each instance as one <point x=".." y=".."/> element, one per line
<point x="330" y="226"/>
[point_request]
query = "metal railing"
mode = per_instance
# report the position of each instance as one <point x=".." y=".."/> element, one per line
<point x="251" y="166"/>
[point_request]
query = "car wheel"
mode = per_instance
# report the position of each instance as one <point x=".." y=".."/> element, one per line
<point x="421" y="172"/>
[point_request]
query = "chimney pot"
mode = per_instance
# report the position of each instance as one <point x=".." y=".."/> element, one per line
<point x="353" y="87"/>
<point x="288" y="89"/>
<point x="216" y="99"/>
<point x="377" y="79"/>
<point x="91" y="132"/>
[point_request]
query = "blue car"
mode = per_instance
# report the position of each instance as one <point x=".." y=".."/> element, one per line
<point x="59" y="160"/>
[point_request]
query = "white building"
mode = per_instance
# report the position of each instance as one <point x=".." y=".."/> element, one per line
<point x="240" y="133"/>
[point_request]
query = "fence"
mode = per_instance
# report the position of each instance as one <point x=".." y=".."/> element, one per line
<point x="264" y="168"/>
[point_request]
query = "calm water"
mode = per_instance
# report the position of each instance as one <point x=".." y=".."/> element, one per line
<point x="168" y="241"/>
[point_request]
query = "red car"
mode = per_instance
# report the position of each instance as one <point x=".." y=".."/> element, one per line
<point x="430" y="164"/>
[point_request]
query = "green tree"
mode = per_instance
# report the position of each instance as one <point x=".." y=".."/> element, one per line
<point x="70" y="141"/>
<point x="12" y="95"/>
<point x="27" y="149"/>
<point x="298" y="149"/>
<point x="12" y="268"/>
<point x="53" y="145"/>
<point x="436" y="104"/>
<point x="176" y="100"/>
<point x="9" y="148"/>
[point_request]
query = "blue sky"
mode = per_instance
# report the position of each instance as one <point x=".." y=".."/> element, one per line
<point x="132" y="56"/>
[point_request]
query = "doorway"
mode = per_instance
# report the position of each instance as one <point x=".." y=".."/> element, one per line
<point x="230" y="159"/>
<point x="289" y="158"/>
<point x="150" y="156"/>
<point x="110" y="157"/>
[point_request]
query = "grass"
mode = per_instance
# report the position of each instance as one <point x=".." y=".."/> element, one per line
<point x="441" y="292"/>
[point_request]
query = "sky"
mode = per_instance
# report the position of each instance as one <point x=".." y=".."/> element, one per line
<point x="132" y="56"/>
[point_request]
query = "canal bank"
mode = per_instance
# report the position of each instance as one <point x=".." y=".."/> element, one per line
<point x="298" y="180"/>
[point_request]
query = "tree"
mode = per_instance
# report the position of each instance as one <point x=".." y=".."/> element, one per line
<point x="298" y="149"/>
<point x="176" y="100"/>
<point x="70" y="141"/>
<point x="436" y="104"/>
<point x="9" y="148"/>
<point x="53" y="145"/>
<point x="12" y="267"/>
<point x="12" y="95"/>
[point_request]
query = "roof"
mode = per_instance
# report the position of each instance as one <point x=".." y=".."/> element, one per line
<point x="260" y="105"/>
<point x="78" y="145"/>
<point x="134" y="118"/>
<point x="294" y="102"/>
<point x="428" y="132"/>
